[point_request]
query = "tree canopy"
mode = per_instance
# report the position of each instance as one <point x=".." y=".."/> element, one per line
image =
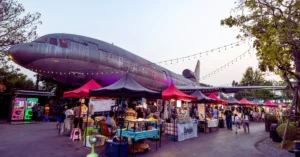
<point x="275" y="28"/>
<point x="254" y="78"/>
<point x="15" y="27"/>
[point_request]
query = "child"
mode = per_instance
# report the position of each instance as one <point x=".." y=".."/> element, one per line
<point x="237" y="122"/>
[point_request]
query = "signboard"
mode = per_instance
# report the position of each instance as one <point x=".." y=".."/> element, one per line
<point x="187" y="131"/>
<point x="99" y="105"/>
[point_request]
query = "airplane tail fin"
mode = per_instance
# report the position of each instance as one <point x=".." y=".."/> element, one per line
<point x="197" y="71"/>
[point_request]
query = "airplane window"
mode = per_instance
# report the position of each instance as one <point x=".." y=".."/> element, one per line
<point x="41" y="40"/>
<point x="63" y="43"/>
<point x="53" y="41"/>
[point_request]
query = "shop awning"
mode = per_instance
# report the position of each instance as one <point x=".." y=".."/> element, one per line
<point x="173" y="93"/>
<point x="202" y="98"/>
<point x="270" y="104"/>
<point x="246" y="102"/>
<point x="82" y="91"/>
<point x="34" y="93"/>
<point x="259" y="103"/>
<point x="221" y="101"/>
<point x="127" y="86"/>
<point x="233" y="101"/>
<point x="283" y="104"/>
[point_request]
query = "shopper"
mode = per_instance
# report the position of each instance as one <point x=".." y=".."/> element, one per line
<point x="111" y="123"/>
<point x="237" y="122"/>
<point x="228" y="115"/>
<point x="246" y="123"/>
<point x="77" y="116"/>
<point x="215" y="113"/>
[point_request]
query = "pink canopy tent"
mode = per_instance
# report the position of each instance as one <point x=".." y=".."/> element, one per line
<point x="82" y="91"/>
<point x="283" y="104"/>
<point x="270" y="104"/>
<point x="221" y="101"/>
<point x="246" y="102"/>
<point x="173" y="93"/>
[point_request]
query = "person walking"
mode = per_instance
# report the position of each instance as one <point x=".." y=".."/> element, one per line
<point x="215" y="113"/>
<point x="237" y="122"/>
<point x="246" y="122"/>
<point x="228" y="115"/>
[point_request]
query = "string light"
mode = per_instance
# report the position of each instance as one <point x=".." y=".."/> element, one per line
<point x="227" y="64"/>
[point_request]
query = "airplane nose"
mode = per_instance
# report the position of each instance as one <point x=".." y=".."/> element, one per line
<point x="21" y="54"/>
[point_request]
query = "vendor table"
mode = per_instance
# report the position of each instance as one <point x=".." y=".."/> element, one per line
<point x="208" y="124"/>
<point x="183" y="131"/>
<point x="139" y="135"/>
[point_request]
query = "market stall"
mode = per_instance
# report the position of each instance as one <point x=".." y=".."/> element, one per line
<point x="27" y="104"/>
<point x="180" y="127"/>
<point x="81" y="92"/>
<point x="128" y="87"/>
<point x="212" y="120"/>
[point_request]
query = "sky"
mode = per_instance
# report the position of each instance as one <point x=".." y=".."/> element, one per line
<point x="155" y="30"/>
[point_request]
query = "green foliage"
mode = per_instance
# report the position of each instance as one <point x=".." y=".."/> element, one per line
<point x="254" y="78"/>
<point x="271" y="117"/>
<point x="13" y="79"/>
<point x="292" y="132"/>
<point x="274" y="25"/>
<point x="54" y="86"/>
<point x="15" y="27"/>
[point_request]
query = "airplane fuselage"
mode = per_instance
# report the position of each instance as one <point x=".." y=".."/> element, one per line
<point x="75" y="59"/>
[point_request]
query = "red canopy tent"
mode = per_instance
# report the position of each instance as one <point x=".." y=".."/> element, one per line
<point x="82" y="91"/>
<point x="173" y="93"/>
<point x="221" y="101"/>
<point x="246" y="102"/>
<point x="270" y="104"/>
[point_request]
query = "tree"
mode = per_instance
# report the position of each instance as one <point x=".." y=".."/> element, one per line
<point x="254" y="78"/>
<point x="58" y="88"/>
<point x="15" y="27"/>
<point x="13" y="79"/>
<point x="274" y="25"/>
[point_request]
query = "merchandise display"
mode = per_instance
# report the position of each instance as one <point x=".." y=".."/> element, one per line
<point x="30" y="102"/>
<point x="18" y="108"/>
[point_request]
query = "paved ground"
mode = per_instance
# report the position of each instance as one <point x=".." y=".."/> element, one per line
<point x="269" y="148"/>
<point x="41" y="140"/>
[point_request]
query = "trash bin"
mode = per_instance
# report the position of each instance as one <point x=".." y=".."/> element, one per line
<point x="273" y="133"/>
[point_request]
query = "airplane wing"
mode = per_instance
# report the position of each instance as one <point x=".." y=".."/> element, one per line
<point x="229" y="89"/>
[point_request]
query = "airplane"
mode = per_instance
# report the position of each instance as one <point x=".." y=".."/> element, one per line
<point x="75" y="59"/>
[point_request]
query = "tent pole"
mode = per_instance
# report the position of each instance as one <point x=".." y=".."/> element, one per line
<point x="119" y="153"/>
<point x="86" y="123"/>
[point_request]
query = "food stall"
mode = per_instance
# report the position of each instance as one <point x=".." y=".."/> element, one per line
<point x="208" y="122"/>
<point x="182" y="127"/>
<point x="128" y="87"/>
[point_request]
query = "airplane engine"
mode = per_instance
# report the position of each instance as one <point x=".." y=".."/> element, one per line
<point x="189" y="74"/>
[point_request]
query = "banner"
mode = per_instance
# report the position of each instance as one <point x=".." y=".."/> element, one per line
<point x="187" y="131"/>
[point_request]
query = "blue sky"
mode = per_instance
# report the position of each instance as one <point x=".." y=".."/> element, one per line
<point x="156" y="30"/>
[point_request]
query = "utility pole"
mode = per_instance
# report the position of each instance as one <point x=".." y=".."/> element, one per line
<point x="37" y="82"/>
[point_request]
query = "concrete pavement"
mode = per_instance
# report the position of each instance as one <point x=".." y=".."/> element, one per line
<point x="41" y="140"/>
